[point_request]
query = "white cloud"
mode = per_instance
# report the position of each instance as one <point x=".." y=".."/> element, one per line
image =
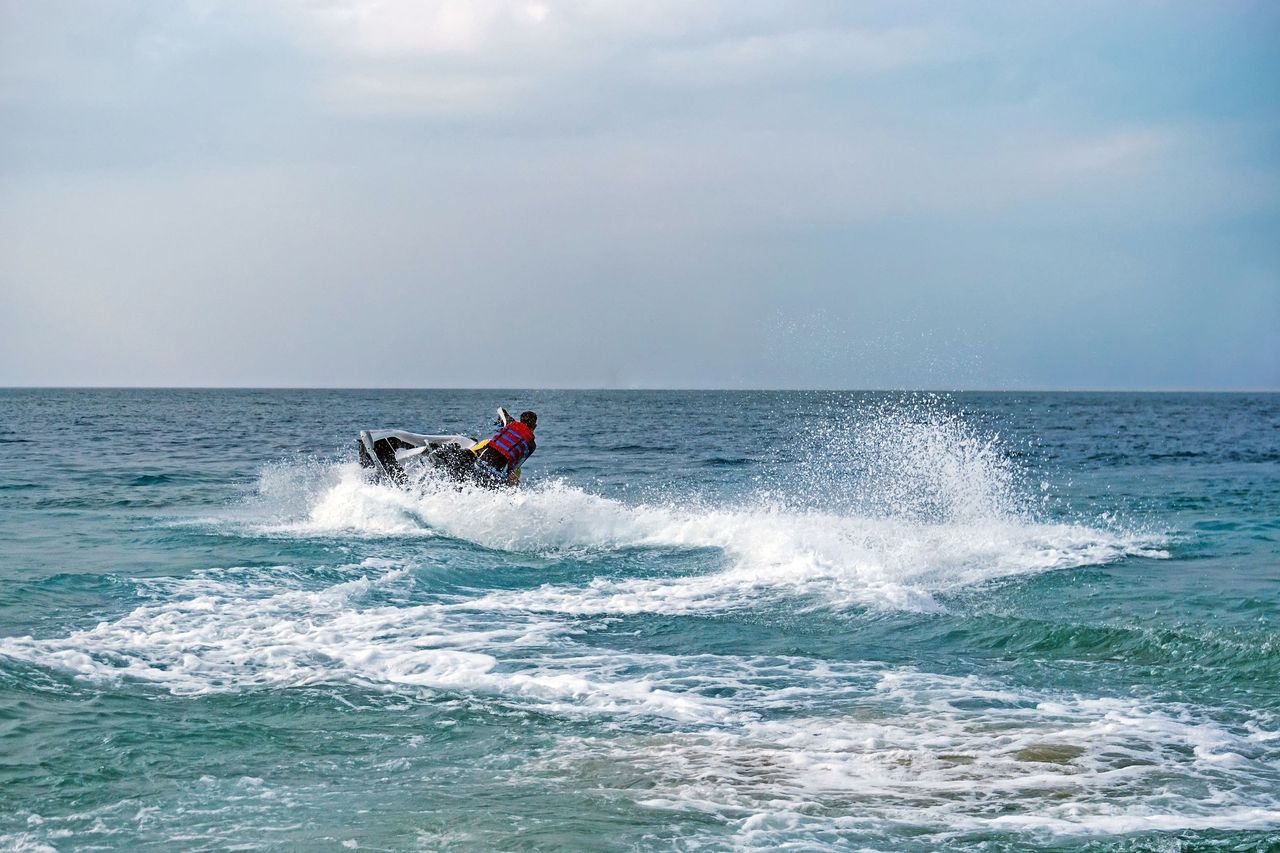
<point x="1123" y="151"/>
<point x="657" y="170"/>
<point x="805" y="53"/>
<point x="398" y="28"/>
<point x="399" y="47"/>
<point x="404" y="94"/>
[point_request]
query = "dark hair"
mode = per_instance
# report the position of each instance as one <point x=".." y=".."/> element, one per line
<point x="529" y="419"/>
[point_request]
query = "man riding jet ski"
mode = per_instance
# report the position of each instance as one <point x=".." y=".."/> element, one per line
<point x="499" y="458"/>
<point x="494" y="462"/>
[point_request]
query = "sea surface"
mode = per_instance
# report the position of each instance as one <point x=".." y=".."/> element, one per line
<point x="755" y="621"/>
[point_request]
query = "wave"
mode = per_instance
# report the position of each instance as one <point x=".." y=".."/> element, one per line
<point x="777" y="744"/>
<point x="235" y="630"/>
<point x="896" y="512"/>
<point x="770" y="546"/>
<point x="961" y="755"/>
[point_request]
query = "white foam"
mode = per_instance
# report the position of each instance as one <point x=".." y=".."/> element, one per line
<point x="830" y="561"/>
<point x="26" y="842"/>
<point x="926" y="750"/>
<point x="770" y="549"/>
<point x="896" y="504"/>
<point x="777" y="745"/>
<point x="219" y="632"/>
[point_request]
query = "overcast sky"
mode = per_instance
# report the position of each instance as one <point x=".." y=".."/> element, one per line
<point x="652" y="194"/>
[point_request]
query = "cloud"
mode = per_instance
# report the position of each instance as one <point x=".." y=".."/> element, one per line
<point x="1119" y="152"/>
<point x="373" y="94"/>
<point x="185" y="189"/>
<point x="484" y="57"/>
<point x="806" y="54"/>
<point x="402" y="28"/>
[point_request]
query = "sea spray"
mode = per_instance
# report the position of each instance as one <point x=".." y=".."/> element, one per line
<point x="674" y="643"/>
<point x="918" y="501"/>
<point x="913" y="457"/>
<point x="902" y="499"/>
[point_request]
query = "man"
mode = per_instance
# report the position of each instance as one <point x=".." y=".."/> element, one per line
<point x="498" y="459"/>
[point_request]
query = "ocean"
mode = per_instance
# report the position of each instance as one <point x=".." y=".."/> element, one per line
<point x="706" y="621"/>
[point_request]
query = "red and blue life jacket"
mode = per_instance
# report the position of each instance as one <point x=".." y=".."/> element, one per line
<point x="515" y="442"/>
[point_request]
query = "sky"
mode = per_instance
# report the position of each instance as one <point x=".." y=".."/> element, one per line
<point x="658" y="194"/>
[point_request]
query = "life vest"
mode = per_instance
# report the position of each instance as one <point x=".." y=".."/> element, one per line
<point x="515" y="442"/>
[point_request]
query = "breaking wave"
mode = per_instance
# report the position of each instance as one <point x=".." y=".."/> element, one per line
<point x="898" y="507"/>
<point x="778" y="744"/>
<point x="841" y="644"/>
<point x="928" y="506"/>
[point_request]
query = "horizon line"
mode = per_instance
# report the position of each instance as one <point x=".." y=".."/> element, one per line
<point x="647" y="388"/>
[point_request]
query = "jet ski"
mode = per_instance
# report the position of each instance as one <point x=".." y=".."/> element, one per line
<point x="392" y="453"/>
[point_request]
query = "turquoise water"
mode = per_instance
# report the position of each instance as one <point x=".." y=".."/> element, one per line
<point x="708" y="621"/>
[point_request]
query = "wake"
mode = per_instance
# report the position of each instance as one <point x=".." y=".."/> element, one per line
<point x="904" y="503"/>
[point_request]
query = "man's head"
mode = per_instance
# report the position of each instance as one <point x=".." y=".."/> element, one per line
<point x="529" y="419"/>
